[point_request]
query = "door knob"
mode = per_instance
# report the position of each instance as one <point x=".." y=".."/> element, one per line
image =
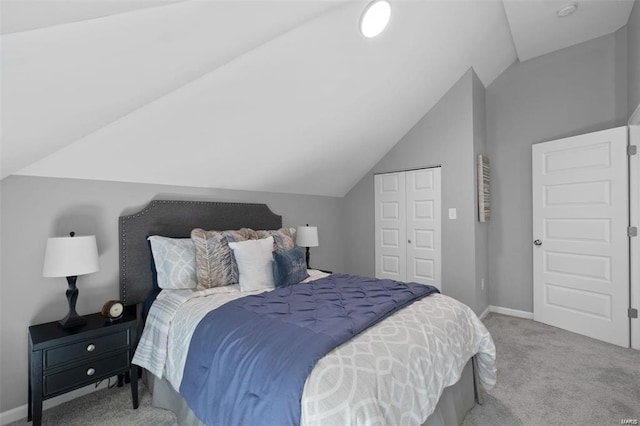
<point x="537" y="242"/>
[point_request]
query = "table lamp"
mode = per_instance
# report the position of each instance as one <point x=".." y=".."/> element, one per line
<point x="307" y="236"/>
<point x="69" y="257"/>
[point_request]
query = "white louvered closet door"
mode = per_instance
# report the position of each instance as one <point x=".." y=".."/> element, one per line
<point x="408" y="226"/>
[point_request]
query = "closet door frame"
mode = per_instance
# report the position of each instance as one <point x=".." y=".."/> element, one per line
<point x="408" y="225"/>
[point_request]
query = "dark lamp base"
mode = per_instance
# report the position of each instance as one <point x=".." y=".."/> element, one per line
<point x="72" y="321"/>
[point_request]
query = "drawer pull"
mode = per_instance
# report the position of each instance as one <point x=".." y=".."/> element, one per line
<point x="91" y="347"/>
<point x="91" y="372"/>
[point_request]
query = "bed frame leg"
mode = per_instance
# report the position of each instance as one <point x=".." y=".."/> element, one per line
<point x="477" y="391"/>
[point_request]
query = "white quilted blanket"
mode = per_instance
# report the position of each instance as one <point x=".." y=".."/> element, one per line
<point x="392" y="373"/>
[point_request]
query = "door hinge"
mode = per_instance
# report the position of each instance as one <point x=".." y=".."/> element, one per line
<point x="632" y="150"/>
<point x="633" y="313"/>
<point x="632" y="231"/>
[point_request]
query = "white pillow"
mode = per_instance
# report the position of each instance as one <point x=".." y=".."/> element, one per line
<point x="175" y="260"/>
<point x="255" y="263"/>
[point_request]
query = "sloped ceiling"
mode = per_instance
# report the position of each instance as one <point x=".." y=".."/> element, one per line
<point x="21" y="15"/>
<point x="264" y="95"/>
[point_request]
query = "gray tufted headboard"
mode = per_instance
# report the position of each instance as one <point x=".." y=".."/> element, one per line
<point x="176" y="219"/>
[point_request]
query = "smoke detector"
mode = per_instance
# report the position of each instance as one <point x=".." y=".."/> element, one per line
<point x="567" y="10"/>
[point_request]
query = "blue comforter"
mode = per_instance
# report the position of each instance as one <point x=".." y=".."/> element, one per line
<point x="249" y="359"/>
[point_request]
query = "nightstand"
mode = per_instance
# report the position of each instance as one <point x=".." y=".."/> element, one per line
<point x="61" y="360"/>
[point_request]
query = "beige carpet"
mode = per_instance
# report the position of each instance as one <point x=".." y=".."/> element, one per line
<point x="106" y="407"/>
<point x="546" y="376"/>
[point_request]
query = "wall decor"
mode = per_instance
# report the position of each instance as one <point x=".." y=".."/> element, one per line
<point x="484" y="206"/>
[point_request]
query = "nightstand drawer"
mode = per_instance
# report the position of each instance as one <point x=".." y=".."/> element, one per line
<point x="86" y="348"/>
<point x="88" y="372"/>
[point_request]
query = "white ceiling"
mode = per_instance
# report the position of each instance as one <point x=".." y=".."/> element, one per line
<point x="537" y="29"/>
<point x="263" y="95"/>
<point x="25" y="15"/>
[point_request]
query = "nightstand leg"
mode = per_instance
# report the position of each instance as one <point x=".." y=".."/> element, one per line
<point x="29" y="406"/>
<point x="134" y="385"/>
<point x="37" y="411"/>
<point x="35" y="387"/>
<point x="29" y="402"/>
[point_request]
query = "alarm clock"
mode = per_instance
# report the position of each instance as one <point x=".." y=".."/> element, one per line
<point x="113" y="309"/>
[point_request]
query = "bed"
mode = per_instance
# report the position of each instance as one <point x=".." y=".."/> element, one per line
<point x="425" y="364"/>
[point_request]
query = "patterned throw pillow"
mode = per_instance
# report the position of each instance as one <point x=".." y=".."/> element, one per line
<point x="215" y="264"/>
<point x="282" y="239"/>
<point x="174" y="260"/>
<point x="289" y="267"/>
<point x="248" y="233"/>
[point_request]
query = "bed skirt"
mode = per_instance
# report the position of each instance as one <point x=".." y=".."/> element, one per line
<point x="453" y="405"/>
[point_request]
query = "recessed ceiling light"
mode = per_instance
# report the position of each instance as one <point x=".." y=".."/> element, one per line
<point x="375" y="18"/>
<point x="567" y="10"/>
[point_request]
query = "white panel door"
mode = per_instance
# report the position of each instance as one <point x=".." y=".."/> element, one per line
<point x="581" y="247"/>
<point x="423" y="226"/>
<point x="390" y="226"/>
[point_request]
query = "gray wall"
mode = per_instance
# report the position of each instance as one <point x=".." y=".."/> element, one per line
<point x="621" y="69"/>
<point x="564" y="93"/>
<point x="34" y="209"/>
<point x="633" y="58"/>
<point x="481" y="229"/>
<point x="444" y="136"/>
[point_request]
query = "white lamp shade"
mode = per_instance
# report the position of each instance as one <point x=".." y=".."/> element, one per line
<point x="70" y="256"/>
<point x="307" y="236"/>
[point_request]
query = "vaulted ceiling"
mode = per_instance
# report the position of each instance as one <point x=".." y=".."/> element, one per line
<point x="263" y="95"/>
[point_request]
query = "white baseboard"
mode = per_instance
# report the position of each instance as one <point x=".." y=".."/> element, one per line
<point x="510" y="312"/>
<point x="484" y="313"/>
<point x="18" y="413"/>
